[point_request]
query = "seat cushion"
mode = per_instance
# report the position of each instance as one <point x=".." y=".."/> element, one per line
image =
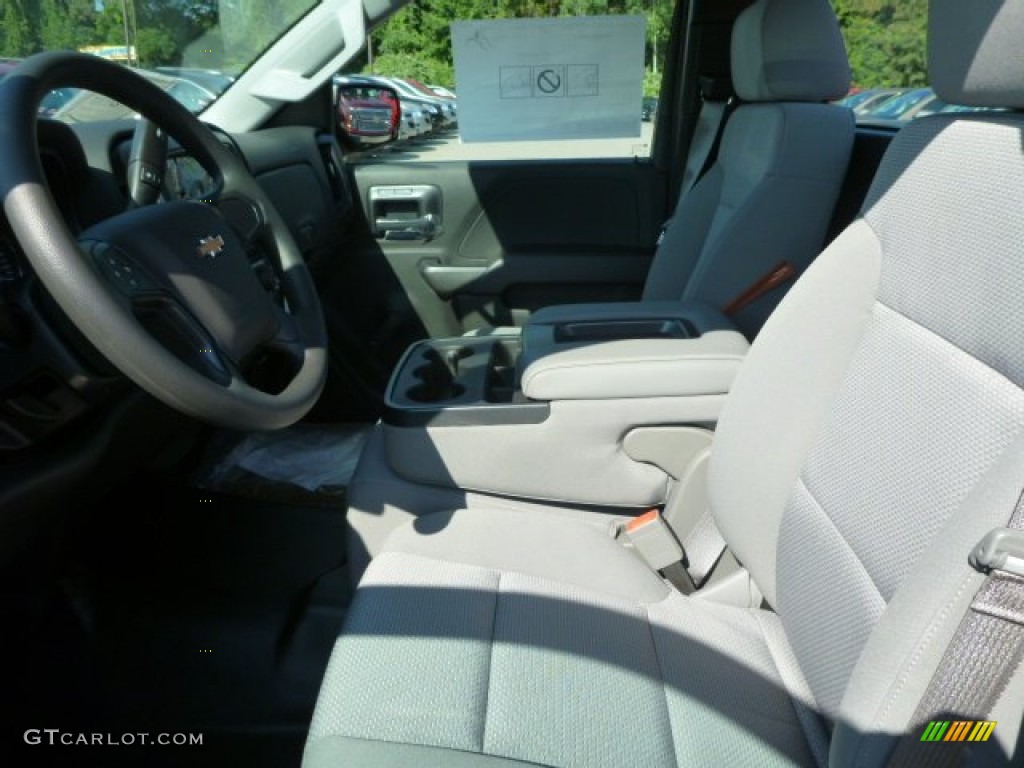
<point x="449" y="647"/>
<point x="577" y="551"/>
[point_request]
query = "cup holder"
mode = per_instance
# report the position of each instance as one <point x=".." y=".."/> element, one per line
<point x="435" y="393"/>
<point x="437" y="376"/>
<point x="448" y="358"/>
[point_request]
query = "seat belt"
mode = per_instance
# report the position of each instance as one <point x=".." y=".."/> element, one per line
<point x="704" y="547"/>
<point x="681" y="541"/>
<point x="985" y="651"/>
<point x="718" y="104"/>
<point x="652" y="538"/>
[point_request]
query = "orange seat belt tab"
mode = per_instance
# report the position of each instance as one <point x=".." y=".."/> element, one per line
<point x="653" y="540"/>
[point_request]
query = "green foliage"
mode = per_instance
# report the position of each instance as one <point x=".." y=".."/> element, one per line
<point x="109" y="26"/>
<point x="885" y="38"/>
<point x="66" y="24"/>
<point x="16" y="33"/>
<point x="652" y="83"/>
<point x="155" y="46"/>
<point x="886" y="41"/>
<point x="418" y="68"/>
<point x="159" y="29"/>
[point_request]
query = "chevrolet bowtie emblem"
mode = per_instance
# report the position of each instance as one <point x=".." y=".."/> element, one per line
<point x="210" y="247"/>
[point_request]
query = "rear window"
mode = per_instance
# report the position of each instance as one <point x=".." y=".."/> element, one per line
<point x="887" y="44"/>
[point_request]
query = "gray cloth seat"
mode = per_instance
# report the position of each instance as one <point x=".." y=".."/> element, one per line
<point x="874" y="435"/>
<point x="769" y="196"/>
<point x="510" y="636"/>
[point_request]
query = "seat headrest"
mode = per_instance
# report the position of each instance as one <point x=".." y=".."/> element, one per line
<point x="974" y="52"/>
<point x="789" y="50"/>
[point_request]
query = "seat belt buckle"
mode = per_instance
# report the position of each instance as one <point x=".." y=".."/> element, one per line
<point x="655" y="542"/>
<point x="1001" y="549"/>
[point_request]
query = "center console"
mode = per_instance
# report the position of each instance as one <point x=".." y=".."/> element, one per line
<point x="570" y="403"/>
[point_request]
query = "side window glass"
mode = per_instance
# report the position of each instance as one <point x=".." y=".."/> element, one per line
<point x="520" y="80"/>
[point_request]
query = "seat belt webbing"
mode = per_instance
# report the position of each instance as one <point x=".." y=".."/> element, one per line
<point x="704" y="547"/>
<point x="727" y="109"/>
<point x="984" y="653"/>
<point x="705" y="143"/>
<point x="716" y="106"/>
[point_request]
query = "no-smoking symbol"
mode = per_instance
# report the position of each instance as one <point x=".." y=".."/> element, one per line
<point x="548" y="81"/>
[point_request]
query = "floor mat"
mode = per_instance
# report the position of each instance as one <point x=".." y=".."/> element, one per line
<point x="309" y="464"/>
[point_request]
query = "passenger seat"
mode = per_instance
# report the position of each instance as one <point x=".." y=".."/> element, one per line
<point x="764" y="205"/>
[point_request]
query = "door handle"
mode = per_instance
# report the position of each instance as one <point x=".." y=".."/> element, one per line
<point x="419" y="228"/>
<point x="410" y="212"/>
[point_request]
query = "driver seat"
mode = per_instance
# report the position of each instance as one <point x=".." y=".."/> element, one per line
<point x="875" y="434"/>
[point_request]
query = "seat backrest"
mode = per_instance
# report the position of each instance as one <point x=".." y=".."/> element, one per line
<point x="769" y="195"/>
<point x="876" y="431"/>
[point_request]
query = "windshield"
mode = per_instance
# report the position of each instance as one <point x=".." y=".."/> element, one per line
<point x="193" y="49"/>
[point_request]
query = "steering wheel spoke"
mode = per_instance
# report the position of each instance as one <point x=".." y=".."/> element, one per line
<point x="243" y="215"/>
<point x="124" y="275"/>
<point x="170" y="323"/>
<point x="288" y="339"/>
<point x="146" y="161"/>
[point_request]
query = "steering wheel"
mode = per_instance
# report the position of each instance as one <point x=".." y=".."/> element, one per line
<point x="166" y="292"/>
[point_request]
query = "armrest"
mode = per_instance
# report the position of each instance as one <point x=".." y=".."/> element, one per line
<point x="638" y="368"/>
<point x="703" y="317"/>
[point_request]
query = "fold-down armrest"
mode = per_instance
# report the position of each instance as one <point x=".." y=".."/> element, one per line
<point x="702" y="317"/>
<point x="634" y="368"/>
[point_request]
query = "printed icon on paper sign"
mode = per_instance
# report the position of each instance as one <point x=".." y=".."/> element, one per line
<point x="549" y="81"/>
<point x="515" y="82"/>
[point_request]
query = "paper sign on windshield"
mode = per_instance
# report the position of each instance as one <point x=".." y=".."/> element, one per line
<point x="574" y="77"/>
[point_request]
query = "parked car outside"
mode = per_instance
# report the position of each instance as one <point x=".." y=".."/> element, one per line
<point x="52" y="101"/>
<point x="440" y="90"/>
<point x="902" y="106"/>
<point x="194" y="97"/>
<point x="934" y="106"/>
<point x="416" y="120"/>
<point x="448" y="103"/>
<point x="86" y="106"/>
<point x="899" y="105"/>
<point x="878" y="97"/>
<point x="212" y="80"/>
<point x="649" y="109"/>
<point x="431" y="116"/>
<point x="412" y="119"/>
<point x="432" y="105"/>
<point x="367" y="116"/>
<point x="857" y="97"/>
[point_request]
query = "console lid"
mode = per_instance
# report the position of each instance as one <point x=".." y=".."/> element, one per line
<point x="638" y="368"/>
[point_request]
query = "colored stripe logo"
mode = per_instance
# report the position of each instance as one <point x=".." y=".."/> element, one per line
<point x="958" y="730"/>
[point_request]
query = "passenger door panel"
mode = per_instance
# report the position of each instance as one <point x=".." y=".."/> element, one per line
<point x="506" y="238"/>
